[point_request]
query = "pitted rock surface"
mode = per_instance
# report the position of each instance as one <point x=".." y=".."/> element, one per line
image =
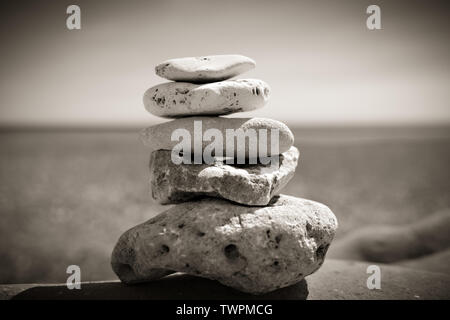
<point x="252" y="249"/>
<point x="249" y="184"/>
<point x="181" y="99"/>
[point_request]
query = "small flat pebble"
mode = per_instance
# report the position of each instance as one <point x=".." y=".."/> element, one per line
<point x="204" y="69"/>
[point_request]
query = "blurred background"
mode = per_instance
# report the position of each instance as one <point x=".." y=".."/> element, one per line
<point x="369" y="110"/>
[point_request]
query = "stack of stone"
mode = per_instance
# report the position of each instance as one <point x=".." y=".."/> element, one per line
<point x="230" y="223"/>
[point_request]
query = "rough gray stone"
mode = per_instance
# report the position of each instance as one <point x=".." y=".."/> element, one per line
<point x="249" y="184"/>
<point x="159" y="137"/>
<point x="252" y="249"/>
<point x="181" y="99"/>
<point x="204" y="69"/>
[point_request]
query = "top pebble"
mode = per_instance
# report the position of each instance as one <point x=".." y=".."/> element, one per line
<point x="204" y="69"/>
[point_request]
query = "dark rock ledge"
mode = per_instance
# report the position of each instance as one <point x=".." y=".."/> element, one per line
<point x="337" y="279"/>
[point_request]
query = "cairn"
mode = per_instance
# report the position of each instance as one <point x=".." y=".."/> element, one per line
<point x="229" y="223"/>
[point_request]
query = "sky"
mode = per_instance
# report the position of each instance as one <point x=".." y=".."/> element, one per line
<point x="323" y="65"/>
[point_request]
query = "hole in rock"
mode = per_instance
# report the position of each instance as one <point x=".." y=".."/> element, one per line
<point x="278" y="238"/>
<point x="231" y="252"/>
<point x="164" y="249"/>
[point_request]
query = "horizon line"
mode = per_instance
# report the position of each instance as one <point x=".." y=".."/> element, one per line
<point x="309" y="126"/>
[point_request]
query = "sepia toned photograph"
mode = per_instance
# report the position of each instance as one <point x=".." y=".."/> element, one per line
<point x="209" y="151"/>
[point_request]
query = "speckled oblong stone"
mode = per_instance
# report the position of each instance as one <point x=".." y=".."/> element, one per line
<point x="249" y="184"/>
<point x="204" y="69"/>
<point x="181" y="99"/>
<point x="252" y="249"/>
<point x="158" y="137"/>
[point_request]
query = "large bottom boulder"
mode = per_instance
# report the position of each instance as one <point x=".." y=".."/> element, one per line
<point x="252" y="249"/>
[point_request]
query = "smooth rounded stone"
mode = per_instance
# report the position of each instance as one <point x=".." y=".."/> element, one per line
<point x="392" y="243"/>
<point x="158" y="137"/>
<point x="181" y="99"/>
<point x="204" y="69"/>
<point x="251" y="249"/>
<point x="249" y="184"/>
